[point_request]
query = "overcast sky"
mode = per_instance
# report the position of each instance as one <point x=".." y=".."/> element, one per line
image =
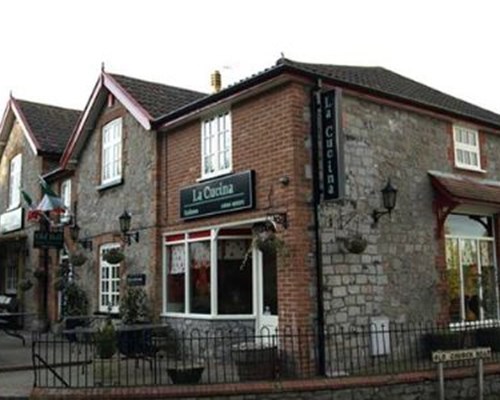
<point x="52" y="50"/>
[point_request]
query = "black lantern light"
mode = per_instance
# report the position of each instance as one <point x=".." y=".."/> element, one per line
<point x="389" y="194"/>
<point x="125" y="220"/>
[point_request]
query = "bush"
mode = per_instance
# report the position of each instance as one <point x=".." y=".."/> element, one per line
<point x="135" y="307"/>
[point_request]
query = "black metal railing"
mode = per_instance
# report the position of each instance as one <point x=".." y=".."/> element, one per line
<point x="157" y="355"/>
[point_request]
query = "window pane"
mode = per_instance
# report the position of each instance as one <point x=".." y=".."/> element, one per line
<point x="234" y="276"/>
<point x="199" y="259"/>
<point x="176" y="276"/>
<point x="453" y="279"/>
<point x="465" y="225"/>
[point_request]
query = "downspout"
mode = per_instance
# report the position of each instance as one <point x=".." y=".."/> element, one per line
<point x="315" y="105"/>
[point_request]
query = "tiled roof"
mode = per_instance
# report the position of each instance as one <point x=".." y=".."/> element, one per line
<point x="157" y="99"/>
<point x="52" y="126"/>
<point x="465" y="189"/>
<point x="390" y="83"/>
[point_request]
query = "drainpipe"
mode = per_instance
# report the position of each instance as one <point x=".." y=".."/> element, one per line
<point x="315" y="105"/>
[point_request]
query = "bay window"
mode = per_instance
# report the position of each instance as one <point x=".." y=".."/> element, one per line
<point x="209" y="274"/>
<point x="471" y="268"/>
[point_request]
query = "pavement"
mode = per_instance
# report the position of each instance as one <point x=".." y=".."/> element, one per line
<point x="16" y="368"/>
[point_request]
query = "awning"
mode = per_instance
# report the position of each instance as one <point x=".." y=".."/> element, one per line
<point x="463" y="194"/>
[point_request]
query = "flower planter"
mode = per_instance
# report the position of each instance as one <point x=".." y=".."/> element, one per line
<point x="77" y="259"/>
<point x="255" y="362"/>
<point x="181" y="373"/>
<point x="113" y="256"/>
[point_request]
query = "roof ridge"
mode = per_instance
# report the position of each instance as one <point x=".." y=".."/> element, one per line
<point x="23" y="101"/>
<point x="153" y="82"/>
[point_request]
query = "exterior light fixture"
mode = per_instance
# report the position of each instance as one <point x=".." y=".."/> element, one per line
<point x="125" y="220"/>
<point x="74" y="232"/>
<point x="389" y="194"/>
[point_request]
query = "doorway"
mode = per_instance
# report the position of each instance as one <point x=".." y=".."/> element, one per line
<point x="267" y="293"/>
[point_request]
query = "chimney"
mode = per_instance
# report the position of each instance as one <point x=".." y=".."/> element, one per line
<point x="216" y="81"/>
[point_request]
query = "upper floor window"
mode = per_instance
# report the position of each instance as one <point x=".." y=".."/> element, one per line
<point x="15" y="181"/>
<point x="111" y="167"/>
<point x="216" y="145"/>
<point x="66" y="199"/>
<point x="466" y="143"/>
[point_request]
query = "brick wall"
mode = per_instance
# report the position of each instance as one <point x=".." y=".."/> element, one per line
<point x="269" y="136"/>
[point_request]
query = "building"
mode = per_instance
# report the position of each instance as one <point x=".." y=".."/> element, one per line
<point x="32" y="139"/>
<point x="298" y="153"/>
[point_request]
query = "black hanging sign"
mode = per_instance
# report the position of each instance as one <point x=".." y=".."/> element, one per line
<point x="230" y="193"/>
<point x="329" y="141"/>
<point x="136" y="279"/>
<point x="46" y="240"/>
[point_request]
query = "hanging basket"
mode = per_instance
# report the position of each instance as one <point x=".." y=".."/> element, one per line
<point x="113" y="256"/>
<point x="356" y="244"/>
<point x="40" y="274"/>
<point x="77" y="258"/>
<point x="25" y="285"/>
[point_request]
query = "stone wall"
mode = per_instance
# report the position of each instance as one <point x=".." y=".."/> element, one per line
<point x="396" y="276"/>
<point x="99" y="208"/>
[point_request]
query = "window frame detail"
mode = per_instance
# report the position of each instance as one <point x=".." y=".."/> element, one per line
<point x="112" y="152"/>
<point x="65" y="193"/>
<point x="15" y="176"/>
<point x="216" y="145"/>
<point x="462" y="136"/>
<point x="111" y="268"/>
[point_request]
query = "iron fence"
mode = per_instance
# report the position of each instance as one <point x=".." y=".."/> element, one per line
<point x="157" y="355"/>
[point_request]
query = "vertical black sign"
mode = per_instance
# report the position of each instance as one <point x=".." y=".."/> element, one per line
<point x="329" y="138"/>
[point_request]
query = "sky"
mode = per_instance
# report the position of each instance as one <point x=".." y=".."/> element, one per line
<point x="52" y="50"/>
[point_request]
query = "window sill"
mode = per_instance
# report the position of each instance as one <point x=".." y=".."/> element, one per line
<point x="208" y="317"/>
<point x="470" y="169"/>
<point x="214" y="176"/>
<point x="110" y="184"/>
<point x="466" y="325"/>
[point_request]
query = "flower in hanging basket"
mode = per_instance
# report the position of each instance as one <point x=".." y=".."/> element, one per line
<point x="24" y="285"/>
<point x="356" y="244"/>
<point x="113" y="256"/>
<point x="77" y="258"/>
<point x="59" y="284"/>
<point x="39" y="274"/>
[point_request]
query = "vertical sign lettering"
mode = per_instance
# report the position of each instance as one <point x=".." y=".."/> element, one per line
<point x="329" y="137"/>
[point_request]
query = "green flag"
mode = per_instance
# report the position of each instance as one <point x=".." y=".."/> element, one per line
<point x="46" y="189"/>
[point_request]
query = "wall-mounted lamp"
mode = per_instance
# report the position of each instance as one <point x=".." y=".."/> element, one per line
<point x="74" y="231"/>
<point x="389" y="194"/>
<point x="279" y="218"/>
<point x="125" y="219"/>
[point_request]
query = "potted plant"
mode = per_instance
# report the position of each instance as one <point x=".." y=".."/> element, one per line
<point x="255" y="361"/>
<point x="135" y="310"/>
<point x="113" y="256"/>
<point x="105" y="340"/>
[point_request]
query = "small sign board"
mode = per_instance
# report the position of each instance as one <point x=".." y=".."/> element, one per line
<point x="48" y="240"/>
<point x="136" y="279"/>
<point x="443" y="356"/>
<point x="11" y="220"/>
<point x="218" y="196"/>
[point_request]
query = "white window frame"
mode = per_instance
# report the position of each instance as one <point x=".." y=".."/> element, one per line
<point x="212" y="238"/>
<point x="103" y="265"/>
<point x="111" y="153"/>
<point x="11" y="278"/>
<point x="66" y="200"/>
<point x="216" y="140"/>
<point x="15" y="182"/>
<point x="466" y="148"/>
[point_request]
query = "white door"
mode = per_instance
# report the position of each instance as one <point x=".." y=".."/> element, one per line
<point x="267" y="293"/>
